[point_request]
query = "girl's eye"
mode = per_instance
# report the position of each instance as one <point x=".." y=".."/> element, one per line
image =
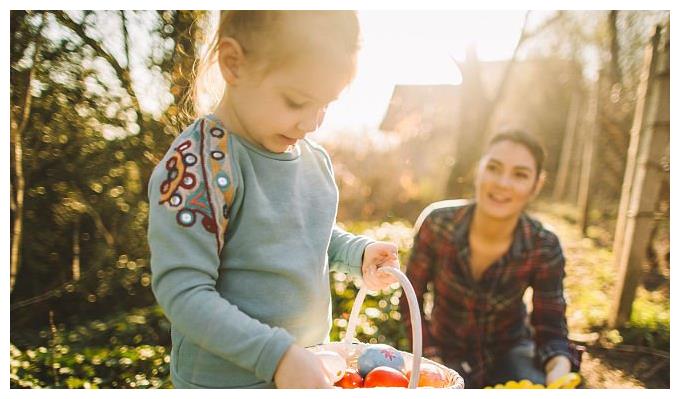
<point x="491" y="167"/>
<point x="292" y="104"/>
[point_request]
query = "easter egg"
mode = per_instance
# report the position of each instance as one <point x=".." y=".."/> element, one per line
<point x="380" y="355"/>
<point x="430" y="376"/>
<point x="383" y="376"/>
<point x="350" y="380"/>
<point x="333" y="364"/>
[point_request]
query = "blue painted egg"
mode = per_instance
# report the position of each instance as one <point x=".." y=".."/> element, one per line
<point x="380" y="355"/>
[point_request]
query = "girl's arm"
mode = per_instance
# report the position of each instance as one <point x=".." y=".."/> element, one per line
<point x="187" y="220"/>
<point x="346" y="250"/>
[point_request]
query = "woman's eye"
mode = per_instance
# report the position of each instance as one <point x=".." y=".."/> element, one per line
<point x="521" y="175"/>
<point x="491" y="167"/>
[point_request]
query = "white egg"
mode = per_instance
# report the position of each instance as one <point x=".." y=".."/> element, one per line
<point x="334" y="365"/>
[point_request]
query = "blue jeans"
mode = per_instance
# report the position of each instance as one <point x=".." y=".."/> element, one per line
<point x="517" y="364"/>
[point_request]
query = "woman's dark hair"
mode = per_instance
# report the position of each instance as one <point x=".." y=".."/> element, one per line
<point x="530" y="142"/>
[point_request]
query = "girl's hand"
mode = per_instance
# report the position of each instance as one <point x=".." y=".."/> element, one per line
<point x="300" y="368"/>
<point x="376" y="256"/>
<point x="556" y="367"/>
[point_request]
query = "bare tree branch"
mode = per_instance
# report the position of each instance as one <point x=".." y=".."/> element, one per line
<point x="615" y="69"/>
<point x="126" y="42"/>
<point x="123" y="73"/>
<point x="524" y="36"/>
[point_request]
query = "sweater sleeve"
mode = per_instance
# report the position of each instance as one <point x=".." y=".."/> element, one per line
<point x="346" y="251"/>
<point x="190" y="194"/>
<point x="549" y="306"/>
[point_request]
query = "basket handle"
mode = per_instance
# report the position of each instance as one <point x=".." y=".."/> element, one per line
<point x="414" y="310"/>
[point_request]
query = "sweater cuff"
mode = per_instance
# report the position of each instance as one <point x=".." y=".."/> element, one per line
<point x="356" y="254"/>
<point x="272" y="353"/>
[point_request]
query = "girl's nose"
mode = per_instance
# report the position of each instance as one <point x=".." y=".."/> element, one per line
<point x="312" y="121"/>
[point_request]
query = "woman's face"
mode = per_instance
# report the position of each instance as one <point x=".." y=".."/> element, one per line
<point x="506" y="180"/>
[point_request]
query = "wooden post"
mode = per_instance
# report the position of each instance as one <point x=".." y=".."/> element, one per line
<point x="641" y="109"/>
<point x="564" y="166"/>
<point x="652" y="126"/>
<point x="589" y="149"/>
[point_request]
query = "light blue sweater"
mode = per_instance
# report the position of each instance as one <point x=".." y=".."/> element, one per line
<point x="240" y="284"/>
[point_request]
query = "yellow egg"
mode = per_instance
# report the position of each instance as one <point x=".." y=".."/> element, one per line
<point x="525" y="384"/>
<point x="512" y="385"/>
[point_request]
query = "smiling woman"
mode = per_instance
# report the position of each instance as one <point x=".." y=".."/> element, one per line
<point x="481" y="258"/>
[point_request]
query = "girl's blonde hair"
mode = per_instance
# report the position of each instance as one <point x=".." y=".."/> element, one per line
<point x="268" y="39"/>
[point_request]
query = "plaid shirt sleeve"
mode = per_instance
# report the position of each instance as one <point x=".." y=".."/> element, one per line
<point x="419" y="273"/>
<point x="549" y="306"/>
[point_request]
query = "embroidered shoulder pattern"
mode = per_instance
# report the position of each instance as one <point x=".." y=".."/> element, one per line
<point x="199" y="180"/>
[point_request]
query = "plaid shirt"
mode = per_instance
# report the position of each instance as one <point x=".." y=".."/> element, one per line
<point x="476" y="321"/>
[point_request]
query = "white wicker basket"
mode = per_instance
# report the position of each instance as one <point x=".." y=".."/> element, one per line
<point x="351" y="350"/>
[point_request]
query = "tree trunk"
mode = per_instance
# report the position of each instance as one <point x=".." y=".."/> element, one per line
<point x="614" y="67"/>
<point x="75" y="263"/>
<point x="17" y="131"/>
<point x="588" y="163"/>
<point x="565" y="167"/>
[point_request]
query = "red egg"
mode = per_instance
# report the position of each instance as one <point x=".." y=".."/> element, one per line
<point x="383" y="376"/>
<point x="351" y="379"/>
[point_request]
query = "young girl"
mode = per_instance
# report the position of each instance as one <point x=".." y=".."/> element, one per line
<point x="242" y="208"/>
<point x="480" y="258"/>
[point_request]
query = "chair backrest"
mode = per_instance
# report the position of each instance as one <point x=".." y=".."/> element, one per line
<point x="434" y="206"/>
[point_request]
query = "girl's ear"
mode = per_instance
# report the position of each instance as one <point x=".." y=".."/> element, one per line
<point x="539" y="184"/>
<point x="231" y="58"/>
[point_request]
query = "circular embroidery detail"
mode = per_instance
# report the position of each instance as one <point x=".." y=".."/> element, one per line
<point x="190" y="159"/>
<point x="186" y="217"/>
<point x="171" y="163"/>
<point x="217" y="132"/>
<point x="189" y="181"/>
<point x="217" y="154"/>
<point x="222" y="181"/>
<point x="175" y="200"/>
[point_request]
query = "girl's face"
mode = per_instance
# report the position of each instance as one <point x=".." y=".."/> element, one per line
<point x="506" y="180"/>
<point x="281" y="107"/>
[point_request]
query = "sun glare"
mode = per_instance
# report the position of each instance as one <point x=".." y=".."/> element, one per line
<point x="416" y="47"/>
